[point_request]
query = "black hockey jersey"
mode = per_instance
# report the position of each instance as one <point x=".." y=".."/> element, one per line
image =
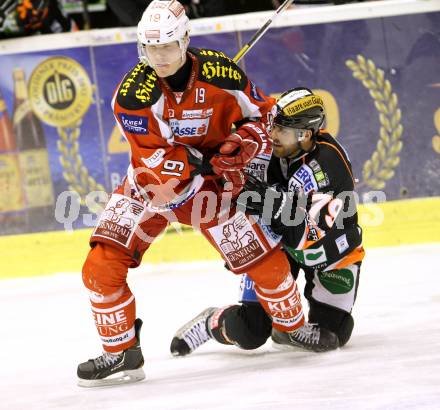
<point x="328" y="236"/>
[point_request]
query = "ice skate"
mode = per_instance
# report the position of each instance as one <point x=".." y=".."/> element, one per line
<point x="309" y="337"/>
<point x="192" y="335"/>
<point x="112" y="369"/>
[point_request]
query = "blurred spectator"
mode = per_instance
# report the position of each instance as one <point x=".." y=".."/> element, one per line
<point x="28" y="17"/>
<point x="128" y="12"/>
<point x="211" y="8"/>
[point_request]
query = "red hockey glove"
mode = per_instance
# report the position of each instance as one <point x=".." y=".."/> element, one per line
<point x="240" y="148"/>
<point x="236" y="178"/>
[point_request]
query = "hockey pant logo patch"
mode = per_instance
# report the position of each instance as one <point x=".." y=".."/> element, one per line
<point x="240" y="242"/>
<point x="119" y="220"/>
<point x="336" y="287"/>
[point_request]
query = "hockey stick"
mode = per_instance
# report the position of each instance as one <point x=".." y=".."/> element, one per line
<point x="261" y="31"/>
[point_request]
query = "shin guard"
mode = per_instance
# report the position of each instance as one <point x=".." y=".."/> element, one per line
<point x="115" y="320"/>
<point x="277" y="291"/>
<point x="283" y="304"/>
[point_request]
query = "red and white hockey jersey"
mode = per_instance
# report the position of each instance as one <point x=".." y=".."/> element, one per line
<point x="159" y="123"/>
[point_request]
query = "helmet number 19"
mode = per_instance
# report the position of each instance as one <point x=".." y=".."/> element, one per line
<point x="155" y="17"/>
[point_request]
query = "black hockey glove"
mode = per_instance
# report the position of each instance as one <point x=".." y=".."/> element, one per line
<point x="202" y="166"/>
<point x="199" y="162"/>
<point x="267" y="201"/>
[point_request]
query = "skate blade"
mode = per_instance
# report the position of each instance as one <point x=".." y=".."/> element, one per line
<point x="125" y="377"/>
<point x="288" y="348"/>
<point x="300" y="349"/>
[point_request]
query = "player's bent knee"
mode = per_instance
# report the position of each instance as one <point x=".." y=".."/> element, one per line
<point x="246" y="326"/>
<point x="338" y="321"/>
<point x="102" y="271"/>
<point x="278" y="266"/>
<point x="345" y="330"/>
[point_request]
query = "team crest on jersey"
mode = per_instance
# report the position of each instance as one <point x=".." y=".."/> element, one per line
<point x="303" y="179"/>
<point x="190" y="128"/>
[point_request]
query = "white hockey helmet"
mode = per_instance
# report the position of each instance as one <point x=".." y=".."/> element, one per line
<point x="162" y="22"/>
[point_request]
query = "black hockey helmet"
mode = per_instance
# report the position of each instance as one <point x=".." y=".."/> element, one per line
<point x="300" y="108"/>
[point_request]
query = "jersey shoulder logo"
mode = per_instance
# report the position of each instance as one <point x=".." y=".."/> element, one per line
<point x="134" y="124"/>
<point x="218" y="69"/>
<point x="139" y="88"/>
<point x="321" y="177"/>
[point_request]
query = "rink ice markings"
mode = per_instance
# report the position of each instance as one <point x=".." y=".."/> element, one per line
<point x="392" y="360"/>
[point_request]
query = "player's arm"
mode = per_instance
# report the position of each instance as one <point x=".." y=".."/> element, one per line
<point x="272" y="204"/>
<point x="251" y="135"/>
<point x="313" y="222"/>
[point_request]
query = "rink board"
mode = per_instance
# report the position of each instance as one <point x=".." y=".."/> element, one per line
<point x="389" y="224"/>
<point x="375" y="67"/>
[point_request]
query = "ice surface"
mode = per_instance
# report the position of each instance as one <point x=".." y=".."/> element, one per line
<point x="391" y="362"/>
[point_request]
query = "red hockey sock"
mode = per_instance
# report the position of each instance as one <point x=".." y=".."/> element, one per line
<point x="277" y="291"/>
<point x="115" y="322"/>
<point x="283" y="304"/>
